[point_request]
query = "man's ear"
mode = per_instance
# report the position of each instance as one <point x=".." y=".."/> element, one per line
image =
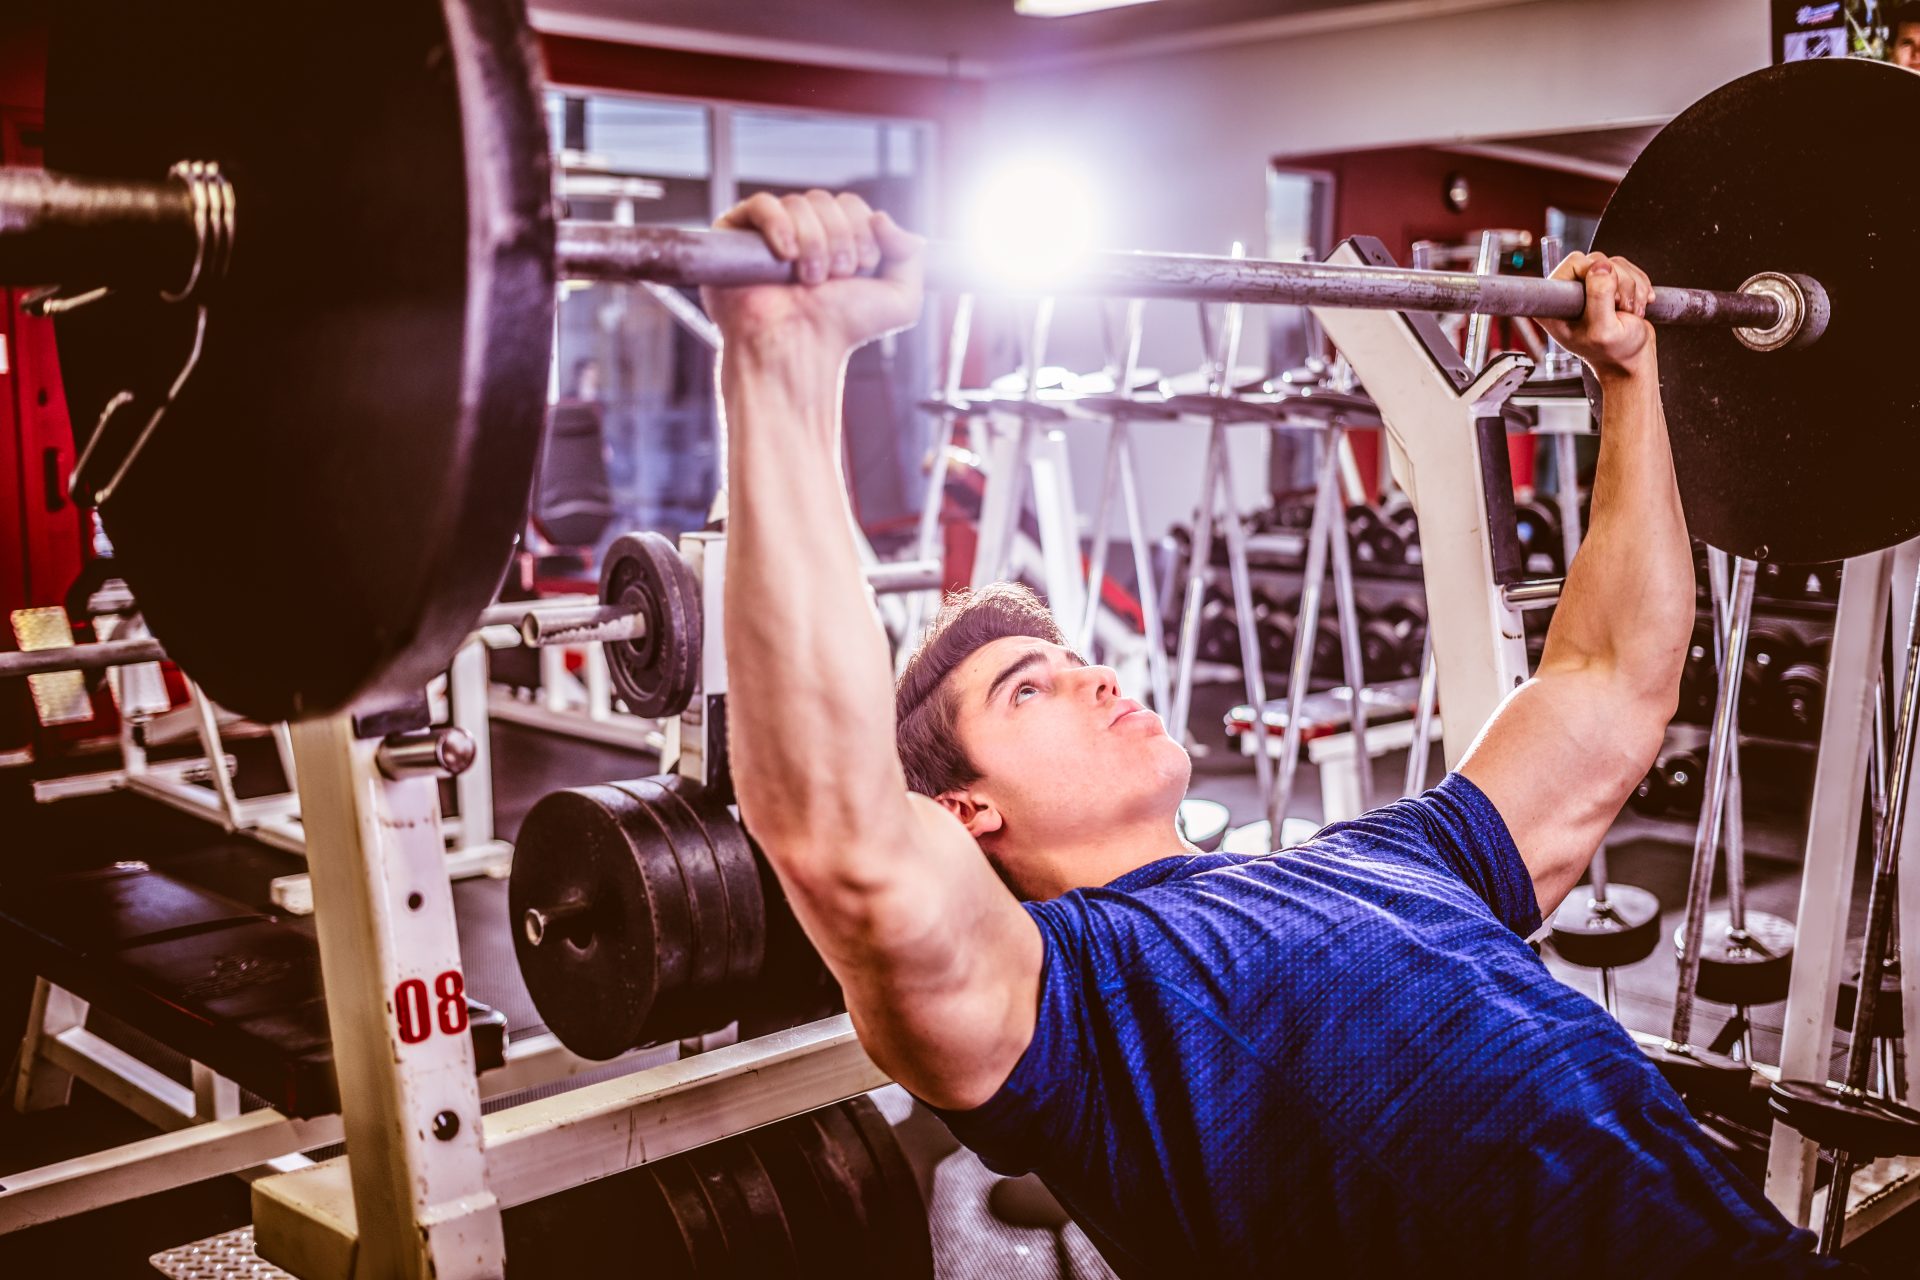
<point x="975" y="812"/>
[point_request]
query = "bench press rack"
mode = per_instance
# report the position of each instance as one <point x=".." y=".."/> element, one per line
<point x="275" y="819"/>
<point x="432" y="1176"/>
<point x="1447" y="446"/>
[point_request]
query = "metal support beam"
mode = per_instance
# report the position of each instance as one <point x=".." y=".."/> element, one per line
<point x="1826" y="887"/>
<point x="390" y="964"/>
<point x="1431" y="409"/>
<point x="308" y="1223"/>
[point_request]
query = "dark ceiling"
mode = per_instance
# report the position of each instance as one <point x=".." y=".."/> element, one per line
<point x="973" y="30"/>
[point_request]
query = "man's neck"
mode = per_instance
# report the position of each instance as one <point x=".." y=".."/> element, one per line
<point x="1099" y="858"/>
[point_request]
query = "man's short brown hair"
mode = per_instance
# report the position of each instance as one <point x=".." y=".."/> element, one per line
<point x="925" y="709"/>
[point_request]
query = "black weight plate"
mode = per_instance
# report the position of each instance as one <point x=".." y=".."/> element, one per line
<point x="693" y="1214"/>
<point x="1802" y="455"/>
<point x="323" y="513"/>
<point x="1752" y="972"/>
<point x="815" y="1233"/>
<point x="595" y="1229"/>
<point x="596" y="981"/>
<point x="905" y="1210"/>
<point x="854" y="1190"/>
<point x="667" y="1252"/>
<point x="1700" y="1074"/>
<point x="739" y="879"/>
<point x="731" y="1218"/>
<point x="1888" y="1021"/>
<point x="676" y="828"/>
<point x="795" y="986"/>
<point x="1864" y="1127"/>
<point x="757" y="1230"/>
<point x="656" y="674"/>
<point x="1625" y="931"/>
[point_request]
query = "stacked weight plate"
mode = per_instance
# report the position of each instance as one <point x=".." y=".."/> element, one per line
<point x="642" y="913"/>
<point x="829" y="1193"/>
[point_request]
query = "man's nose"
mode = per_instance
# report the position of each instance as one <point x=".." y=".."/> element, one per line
<point x="1104" y="681"/>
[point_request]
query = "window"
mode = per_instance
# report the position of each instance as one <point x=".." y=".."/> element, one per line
<point x="621" y="356"/>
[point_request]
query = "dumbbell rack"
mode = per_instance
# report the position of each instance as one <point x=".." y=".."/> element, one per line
<point x="426" y="1178"/>
<point x="1811" y="620"/>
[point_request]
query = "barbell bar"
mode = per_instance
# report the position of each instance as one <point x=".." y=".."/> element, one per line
<point x="539" y="623"/>
<point x="58" y="229"/>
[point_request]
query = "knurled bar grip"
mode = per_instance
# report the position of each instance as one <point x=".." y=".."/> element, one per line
<point x="683" y="258"/>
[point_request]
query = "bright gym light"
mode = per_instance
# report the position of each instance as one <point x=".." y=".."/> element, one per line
<point x="1033" y="219"/>
<point x="1067" y="8"/>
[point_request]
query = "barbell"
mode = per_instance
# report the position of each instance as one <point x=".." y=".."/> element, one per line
<point x="305" y="340"/>
<point x="648" y="618"/>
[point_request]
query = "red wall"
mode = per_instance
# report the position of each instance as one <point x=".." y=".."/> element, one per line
<point x="41" y="532"/>
<point x="1398" y="195"/>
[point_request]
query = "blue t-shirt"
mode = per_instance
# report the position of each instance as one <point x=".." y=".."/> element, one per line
<point x="1343" y="1059"/>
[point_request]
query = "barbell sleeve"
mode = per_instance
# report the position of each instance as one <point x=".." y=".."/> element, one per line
<point x="81" y="657"/>
<point x="59" y="229"/>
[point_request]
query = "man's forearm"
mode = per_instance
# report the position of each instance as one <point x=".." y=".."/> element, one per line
<point x="804" y="650"/>
<point x="1628" y="604"/>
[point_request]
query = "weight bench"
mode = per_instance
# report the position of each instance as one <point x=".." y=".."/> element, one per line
<point x="235" y="991"/>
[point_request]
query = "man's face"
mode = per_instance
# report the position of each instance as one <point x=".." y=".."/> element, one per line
<point x="1906" y="46"/>
<point x="1063" y="754"/>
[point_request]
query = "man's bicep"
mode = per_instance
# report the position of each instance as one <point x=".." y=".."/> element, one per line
<point x="941" y="965"/>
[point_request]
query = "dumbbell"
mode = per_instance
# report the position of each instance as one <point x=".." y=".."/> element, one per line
<point x="1390" y="642"/>
<point x="1673" y="785"/>
<point x="1771" y="649"/>
<point x="1275" y="622"/>
<point x="1541" y="549"/>
<point x="1799" y="700"/>
<point x="1823" y="580"/>
<point x="1698" y="678"/>
<point x="642" y="913"/>
<point x="1799" y="581"/>
<point x="1379" y="648"/>
<point x="1373" y="540"/>
<point x="1328" y="663"/>
<point x="1219" y="635"/>
<point x="1399" y="516"/>
<point x="1605" y="927"/>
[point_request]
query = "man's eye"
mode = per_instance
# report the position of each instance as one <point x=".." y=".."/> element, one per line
<point x="1019" y="695"/>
